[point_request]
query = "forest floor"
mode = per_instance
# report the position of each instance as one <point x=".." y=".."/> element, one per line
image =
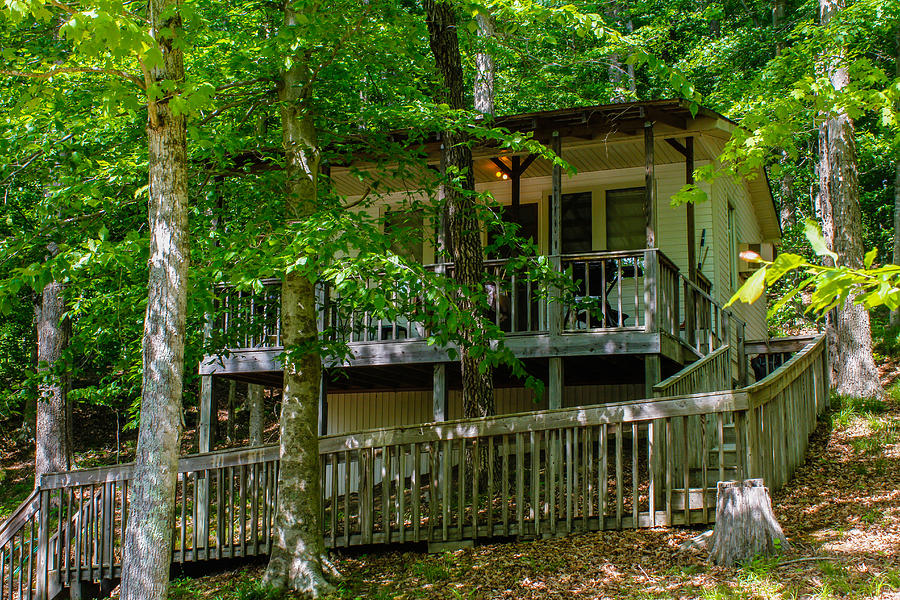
<point x="841" y="513"/>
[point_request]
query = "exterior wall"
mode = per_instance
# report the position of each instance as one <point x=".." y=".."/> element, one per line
<point x="711" y="216"/>
<point x="747" y="230"/>
<point x="368" y="410"/>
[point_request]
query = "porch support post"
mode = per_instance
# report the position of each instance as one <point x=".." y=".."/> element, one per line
<point x="555" y="307"/>
<point x="649" y="188"/>
<point x="516" y="176"/>
<point x="691" y="221"/>
<point x="555" y="385"/>
<point x="207" y="428"/>
<point x="652" y="373"/>
<point x="440" y="392"/>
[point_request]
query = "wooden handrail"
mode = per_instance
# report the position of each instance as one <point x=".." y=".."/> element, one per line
<point x="11" y="526"/>
<point x="690" y="369"/>
<point x="778" y="345"/>
<point x="767" y="388"/>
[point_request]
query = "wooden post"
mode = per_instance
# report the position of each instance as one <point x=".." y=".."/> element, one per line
<point x="556" y="308"/>
<point x="556" y="384"/>
<point x="652" y="373"/>
<point x="323" y="404"/>
<point x="516" y="177"/>
<point x="651" y="290"/>
<point x="741" y="354"/>
<point x="43" y="551"/>
<point x="440" y="392"/>
<point x="691" y="225"/>
<point x="649" y="188"/>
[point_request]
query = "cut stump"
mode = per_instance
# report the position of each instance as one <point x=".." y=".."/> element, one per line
<point x="745" y="524"/>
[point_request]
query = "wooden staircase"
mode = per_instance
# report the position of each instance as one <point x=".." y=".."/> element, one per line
<point x="546" y="473"/>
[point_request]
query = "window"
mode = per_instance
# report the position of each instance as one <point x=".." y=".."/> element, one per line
<point x="732" y="249"/>
<point x="405" y="229"/>
<point x="575" y="222"/>
<point x="625" y="219"/>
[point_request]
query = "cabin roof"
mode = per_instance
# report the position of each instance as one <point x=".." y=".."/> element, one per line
<point x="588" y="133"/>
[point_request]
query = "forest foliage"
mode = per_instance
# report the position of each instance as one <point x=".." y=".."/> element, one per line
<point x="73" y="163"/>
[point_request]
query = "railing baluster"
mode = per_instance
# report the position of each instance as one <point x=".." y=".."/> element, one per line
<point x="415" y="491"/>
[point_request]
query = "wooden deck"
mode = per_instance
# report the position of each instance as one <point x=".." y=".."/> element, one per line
<point x="638" y="464"/>
<point x="627" y="302"/>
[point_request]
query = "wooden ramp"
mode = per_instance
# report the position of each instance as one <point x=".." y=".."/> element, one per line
<point x="648" y="463"/>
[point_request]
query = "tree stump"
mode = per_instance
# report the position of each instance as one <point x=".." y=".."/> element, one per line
<point x="745" y="524"/>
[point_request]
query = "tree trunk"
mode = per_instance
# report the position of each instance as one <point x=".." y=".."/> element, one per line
<point x="484" y="67"/>
<point x="53" y="436"/>
<point x="147" y="549"/>
<point x="255" y="402"/>
<point x="745" y="524"/>
<point x="298" y="551"/>
<point x="621" y="76"/>
<point x="778" y="9"/>
<point x="463" y="230"/>
<point x="895" y="315"/>
<point x="853" y="366"/>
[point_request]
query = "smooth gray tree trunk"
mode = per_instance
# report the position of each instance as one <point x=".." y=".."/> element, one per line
<point x="53" y="436"/>
<point x="484" y="67"/>
<point x="147" y="549"/>
<point x="298" y="560"/>
<point x="460" y="210"/>
<point x="848" y="326"/>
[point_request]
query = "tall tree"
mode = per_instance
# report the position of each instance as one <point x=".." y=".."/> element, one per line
<point x="458" y="195"/>
<point x="895" y="314"/>
<point x="147" y="549"/>
<point x="849" y="329"/>
<point x="298" y="560"/>
<point x="484" y="66"/>
<point x="53" y="434"/>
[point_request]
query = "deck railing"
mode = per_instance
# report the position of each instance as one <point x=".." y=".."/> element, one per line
<point x="640" y="290"/>
<point x="623" y="465"/>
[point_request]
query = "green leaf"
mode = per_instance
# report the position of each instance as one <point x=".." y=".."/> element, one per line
<point x="751" y="290"/>
<point x="871" y="255"/>
<point x="817" y="240"/>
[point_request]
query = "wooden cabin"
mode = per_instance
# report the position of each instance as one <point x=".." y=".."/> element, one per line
<point x="652" y="400"/>
<point x="658" y="274"/>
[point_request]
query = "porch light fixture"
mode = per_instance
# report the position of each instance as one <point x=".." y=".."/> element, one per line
<point x="501" y="175"/>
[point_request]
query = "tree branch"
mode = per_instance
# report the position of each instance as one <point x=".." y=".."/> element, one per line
<point x="68" y="70"/>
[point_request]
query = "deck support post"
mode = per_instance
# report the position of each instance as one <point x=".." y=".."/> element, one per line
<point x="555" y="386"/>
<point x="656" y="439"/>
<point x="323" y="404"/>
<point x="440" y="392"/>
<point x="556" y="307"/>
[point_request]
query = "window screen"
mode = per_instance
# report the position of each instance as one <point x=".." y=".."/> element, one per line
<point x="575" y="222"/>
<point x="625" y="221"/>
